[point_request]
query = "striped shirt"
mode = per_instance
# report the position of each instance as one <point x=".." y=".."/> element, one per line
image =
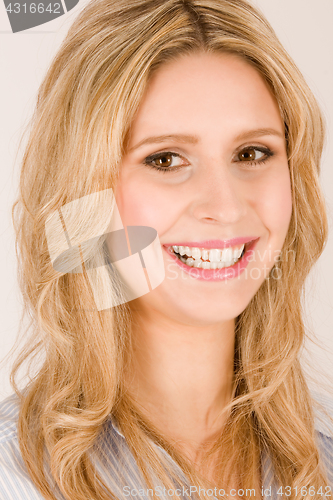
<point x="119" y="470"/>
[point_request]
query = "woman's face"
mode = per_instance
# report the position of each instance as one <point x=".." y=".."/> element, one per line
<point x="214" y="127"/>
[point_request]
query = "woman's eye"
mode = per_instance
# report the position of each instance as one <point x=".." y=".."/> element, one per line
<point x="254" y="155"/>
<point x="164" y="161"/>
<point x="171" y="162"/>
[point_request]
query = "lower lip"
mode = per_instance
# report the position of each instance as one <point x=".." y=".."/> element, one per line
<point x="225" y="273"/>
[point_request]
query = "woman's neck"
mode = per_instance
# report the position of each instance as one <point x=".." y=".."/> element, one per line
<point x="181" y="376"/>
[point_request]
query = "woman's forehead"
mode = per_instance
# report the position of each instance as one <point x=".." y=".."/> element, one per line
<point x="202" y="91"/>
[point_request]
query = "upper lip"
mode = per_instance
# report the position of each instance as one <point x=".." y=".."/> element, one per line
<point x="214" y="243"/>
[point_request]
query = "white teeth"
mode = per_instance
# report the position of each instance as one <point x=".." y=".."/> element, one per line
<point x="215" y="255"/>
<point x="196" y="253"/>
<point x="189" y="262"/>
<point x="227" y="254"/>
<point x="206" y="265"/>
<point x="205" y="254"/>
<point x="238" y="253"/>
<point x="218" y="259"/>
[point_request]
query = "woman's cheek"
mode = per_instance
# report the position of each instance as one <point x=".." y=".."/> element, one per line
<point x="280" y="202"/>
<point x="274" y="202"/>
<point x="141" y="203"/>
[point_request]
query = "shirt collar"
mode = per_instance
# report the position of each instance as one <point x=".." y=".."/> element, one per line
<point x="322" y="421"/>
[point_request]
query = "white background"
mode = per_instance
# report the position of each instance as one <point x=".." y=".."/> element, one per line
<point x="305" y="29"/>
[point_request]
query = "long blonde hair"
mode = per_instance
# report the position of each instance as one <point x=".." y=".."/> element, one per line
<point x="78" y="137"/>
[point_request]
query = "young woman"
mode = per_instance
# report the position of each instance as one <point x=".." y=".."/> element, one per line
<point x="188" y="118"/>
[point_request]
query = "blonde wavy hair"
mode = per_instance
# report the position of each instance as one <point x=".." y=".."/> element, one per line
<point x="78" y="137"/>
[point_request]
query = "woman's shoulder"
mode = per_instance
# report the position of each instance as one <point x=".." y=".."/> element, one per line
<point x="9" y="411"/>
<point x="323" y="410"/>
<point x="9" y="447"/>
<point x="113" y="459"/>
<point x="15" y="484"/>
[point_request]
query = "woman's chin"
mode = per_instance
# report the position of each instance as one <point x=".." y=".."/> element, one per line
<point x="195" y="310"/>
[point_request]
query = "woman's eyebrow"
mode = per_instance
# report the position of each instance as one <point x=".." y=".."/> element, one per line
<point x="193" y="139"/>
<point x="258" y="133"/>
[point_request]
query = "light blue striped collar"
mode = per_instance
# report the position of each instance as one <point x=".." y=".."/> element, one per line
<point x="268" y="478"/>
<point x="116" y="463"/>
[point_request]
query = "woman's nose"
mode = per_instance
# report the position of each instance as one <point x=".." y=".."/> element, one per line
<point x="220" y="196"/>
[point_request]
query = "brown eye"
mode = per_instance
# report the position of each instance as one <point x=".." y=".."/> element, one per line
<point x="164" y="160"/>
<point x="248" y="154"/>
<point x="254" y="155"/>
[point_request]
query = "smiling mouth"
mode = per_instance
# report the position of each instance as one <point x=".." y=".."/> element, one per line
<point x="212" y="258"/>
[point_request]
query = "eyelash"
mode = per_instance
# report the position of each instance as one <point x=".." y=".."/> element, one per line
<point x="149" y="159"/>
